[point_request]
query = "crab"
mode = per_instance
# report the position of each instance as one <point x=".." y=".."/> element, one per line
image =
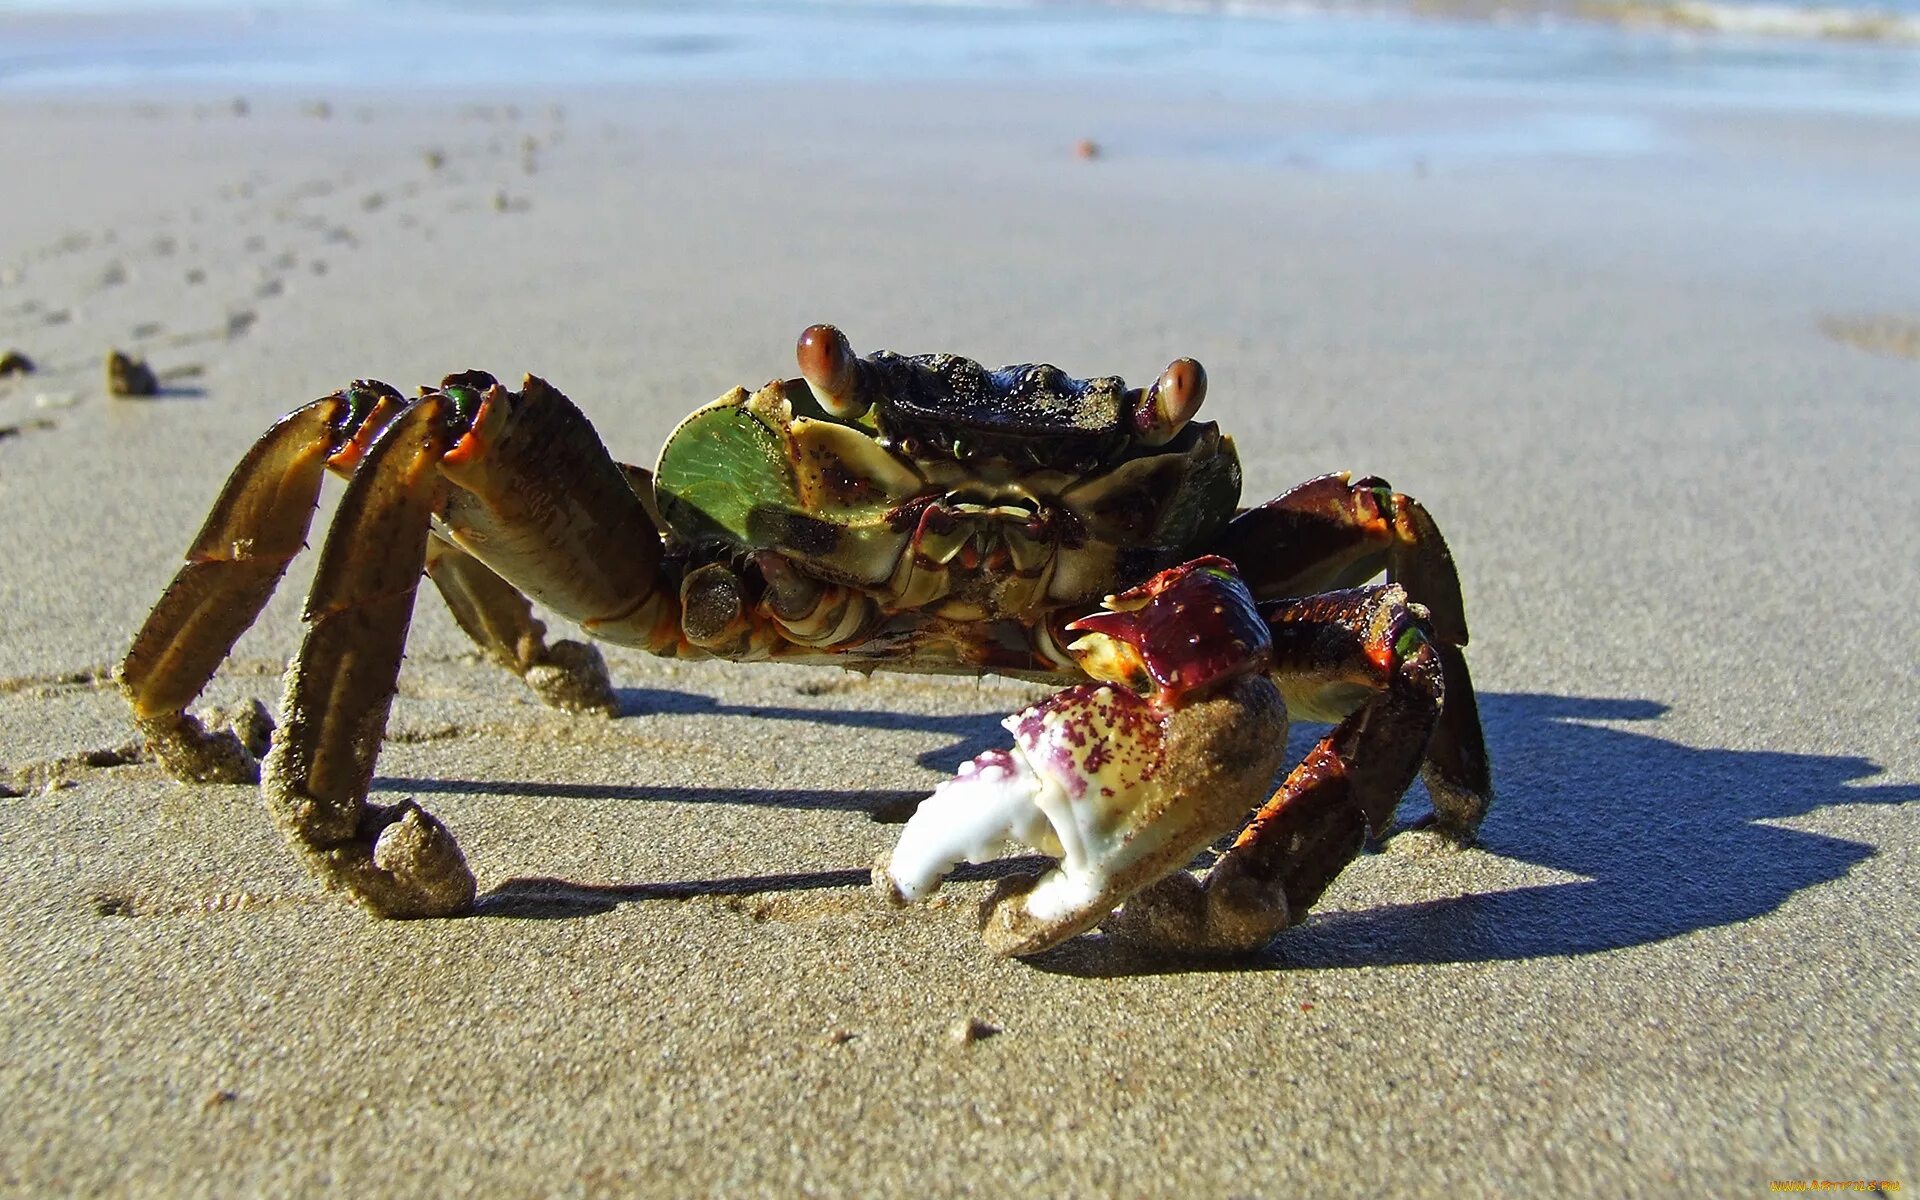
<point x="915" y="513"/>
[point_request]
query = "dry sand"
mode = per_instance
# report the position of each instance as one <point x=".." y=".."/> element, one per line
<point x="1683" y="956"/>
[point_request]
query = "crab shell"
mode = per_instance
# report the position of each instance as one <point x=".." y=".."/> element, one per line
<point x="975" y="495"/>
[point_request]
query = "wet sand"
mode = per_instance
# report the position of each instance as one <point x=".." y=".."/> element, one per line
<point x="1632" y="389"/>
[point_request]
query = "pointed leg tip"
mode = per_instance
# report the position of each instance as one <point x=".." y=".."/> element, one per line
<point x="573" y="677"/>
<point x="1458" y="809"/>
<point x="248" y="723"/>
<point x="219" y="745"/>
<point x="421" y="864"/>
<point x="1432" y="836"/>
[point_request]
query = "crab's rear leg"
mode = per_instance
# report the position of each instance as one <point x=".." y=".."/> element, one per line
<point x="1336" y="532"/>
<point x="1328" y="649"/>
<point x="255" y="528"/>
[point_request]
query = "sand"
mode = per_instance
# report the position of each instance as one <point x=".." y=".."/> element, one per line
<point x="1677" y="479"/>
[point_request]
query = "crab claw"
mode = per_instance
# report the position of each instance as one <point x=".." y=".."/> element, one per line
<point x="1184" y="631"/>
<point x="1123" y="789"/>
<point x="832" y="372"/>
<point x="1170" y="403"/>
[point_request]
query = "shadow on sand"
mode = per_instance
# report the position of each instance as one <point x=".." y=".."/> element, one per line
<point x="1667" y="839"/>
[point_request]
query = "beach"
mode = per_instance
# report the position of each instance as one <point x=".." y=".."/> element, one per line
<point x="1651" y="366"/>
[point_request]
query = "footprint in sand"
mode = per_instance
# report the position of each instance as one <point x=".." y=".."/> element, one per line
<point x="37" y="425"/>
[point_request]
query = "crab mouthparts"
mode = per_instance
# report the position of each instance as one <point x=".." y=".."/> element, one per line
<point x="998" y="512"/>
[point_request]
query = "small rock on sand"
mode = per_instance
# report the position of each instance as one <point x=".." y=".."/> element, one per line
<point x="971" y="1030"/>
<point x="129" y="376"/>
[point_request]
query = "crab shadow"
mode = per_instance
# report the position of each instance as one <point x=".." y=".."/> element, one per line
<point x="972" y="732"/>
<point x="548" y="898"/>
<point x="1665" y="839"/>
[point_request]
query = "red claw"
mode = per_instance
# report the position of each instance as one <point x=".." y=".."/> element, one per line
<point x="1190" y="628"/>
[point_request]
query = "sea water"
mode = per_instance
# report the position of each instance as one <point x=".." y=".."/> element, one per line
<point x="1706" y="52"/>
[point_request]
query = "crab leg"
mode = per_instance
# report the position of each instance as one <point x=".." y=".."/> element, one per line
<point x="540" y="502"/>
<point x="518" y="481"/>
<point x="254" y="530"/>
<point x="496" y="494"/>
<point x="257" y="525"/>
<point x="1336" y="532"/>
<point x="568" y="675"/>
<point x="397" y="861"/>
<point x="1326" y="649"/>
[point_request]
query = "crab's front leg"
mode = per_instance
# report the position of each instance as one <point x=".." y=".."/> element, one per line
<point x="1122" y="780"/>
<point x="397" y="861"/>
<point x="256" y="527"/>
<point x="521" y="482"/>
<point x="254" y="530"/>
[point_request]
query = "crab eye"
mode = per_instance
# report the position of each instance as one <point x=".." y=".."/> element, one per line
<point x="1171" y="402"/>
<point x="831" y="370"/>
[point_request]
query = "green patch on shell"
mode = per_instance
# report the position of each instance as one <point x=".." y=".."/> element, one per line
<point x="746" y="472"/>
<point x="717" y="468"/>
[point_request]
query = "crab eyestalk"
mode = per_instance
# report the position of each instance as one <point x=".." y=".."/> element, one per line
<point x="832" y="372"/>
<point x="1122" y="788"/>
<point x="1164" y="409"/>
